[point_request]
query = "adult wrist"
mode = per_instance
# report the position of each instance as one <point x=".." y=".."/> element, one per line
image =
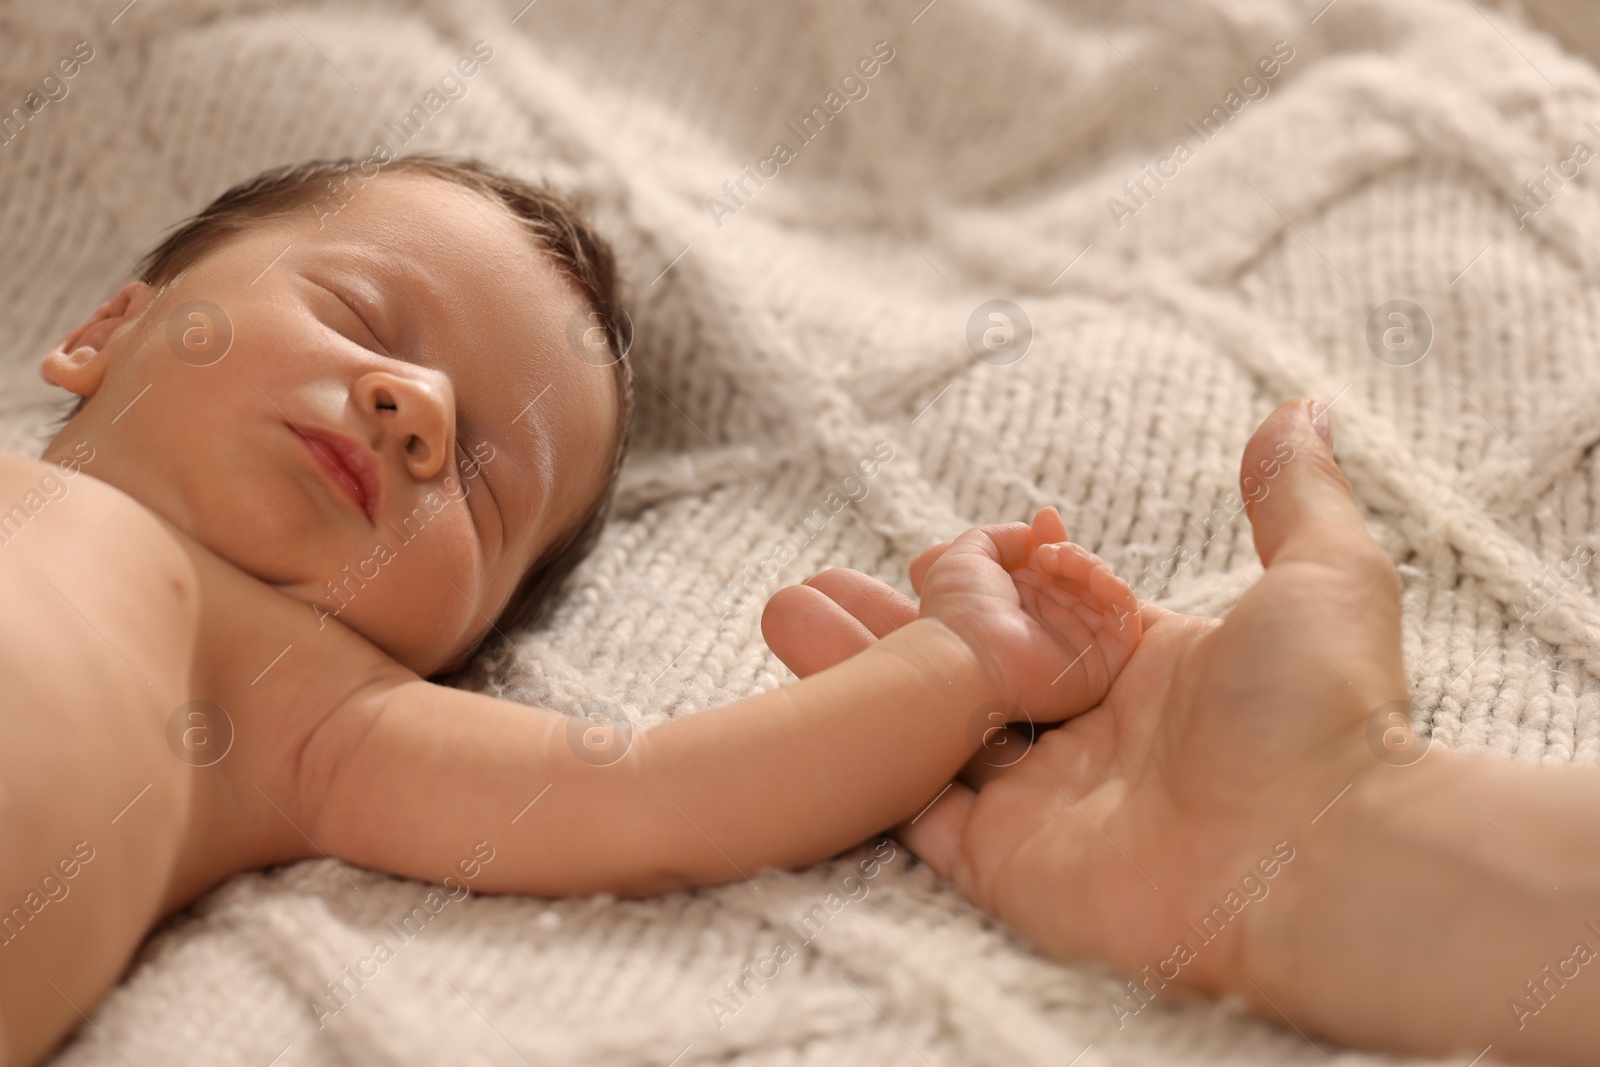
<point x="1420" y="905"/>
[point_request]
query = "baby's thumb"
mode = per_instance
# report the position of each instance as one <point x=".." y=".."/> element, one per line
<point x="1297" y="498"/>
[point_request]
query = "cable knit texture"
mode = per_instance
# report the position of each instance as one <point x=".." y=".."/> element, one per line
<point x="786" y="333"/>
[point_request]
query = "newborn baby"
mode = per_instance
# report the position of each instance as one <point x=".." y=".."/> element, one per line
<point x="337" y="436"/>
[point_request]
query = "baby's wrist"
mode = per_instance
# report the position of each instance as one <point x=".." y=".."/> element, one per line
<point x="950" y="663"/>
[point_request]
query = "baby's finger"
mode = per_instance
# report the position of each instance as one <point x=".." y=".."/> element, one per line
<point x="919" y="566"/>
<point x="1048" y="527"/>
<point x="1092" y="581"/>
<point x="881" y="608"/>
<point x="1068" y="560"/>
<point x="1117" y="596"/>
<point x="1008" y="543"/>
<point x="809" y="632"/>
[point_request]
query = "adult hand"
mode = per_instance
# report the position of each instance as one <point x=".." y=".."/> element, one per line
<point x="1215" y="746"/>
<point x="1446" y="907"/>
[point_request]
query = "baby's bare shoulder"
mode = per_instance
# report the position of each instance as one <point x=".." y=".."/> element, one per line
<point x="126" y="628"/>
<point x="128" y="594"/>
<point x="89" y="557"/>
<point x="34" y="493"/>
<point x="59" y="517"/>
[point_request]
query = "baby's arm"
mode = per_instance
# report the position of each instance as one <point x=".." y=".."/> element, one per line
<point x="781" y="779"/>
<point x="412" y="775"/>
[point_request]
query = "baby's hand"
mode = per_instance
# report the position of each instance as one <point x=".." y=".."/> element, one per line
<point x="1047" y="619"/>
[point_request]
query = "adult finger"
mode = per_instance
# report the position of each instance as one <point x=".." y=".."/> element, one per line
<point x="809" y="631"/>
<point x="924" y="560"/>
<point x="879" y="607"/>
<point x="1299" y="503"/>
<point x="1329" y="579"/>
<point x="936" y="833"/>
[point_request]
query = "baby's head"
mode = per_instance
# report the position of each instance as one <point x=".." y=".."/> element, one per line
<point x="401" y="396"/>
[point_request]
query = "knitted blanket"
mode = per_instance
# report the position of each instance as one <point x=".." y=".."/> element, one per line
<point x="1192" y="211"/>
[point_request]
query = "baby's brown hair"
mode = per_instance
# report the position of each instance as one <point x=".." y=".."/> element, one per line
<point x="556" y="224"/>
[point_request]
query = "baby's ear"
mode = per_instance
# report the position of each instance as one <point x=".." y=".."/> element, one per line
<point x="78" y="362"/>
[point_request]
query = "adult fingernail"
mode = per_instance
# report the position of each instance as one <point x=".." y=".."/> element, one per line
<point x="1321" y="421"/>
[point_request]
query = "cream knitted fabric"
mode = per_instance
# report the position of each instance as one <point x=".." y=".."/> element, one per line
<point x="789" y="327"/>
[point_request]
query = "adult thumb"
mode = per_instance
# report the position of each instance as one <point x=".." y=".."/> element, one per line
<point x="1299" y="503"/>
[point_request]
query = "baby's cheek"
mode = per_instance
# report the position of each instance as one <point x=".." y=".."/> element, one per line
<point x="427" y="596"/>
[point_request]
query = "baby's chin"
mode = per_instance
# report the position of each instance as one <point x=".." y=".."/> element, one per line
<point x="400" y="589"/>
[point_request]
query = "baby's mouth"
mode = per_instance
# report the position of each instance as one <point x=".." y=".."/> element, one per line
<point x="350" y="466"/>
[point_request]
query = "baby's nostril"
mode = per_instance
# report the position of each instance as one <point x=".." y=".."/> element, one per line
<point x="415" y="444"/>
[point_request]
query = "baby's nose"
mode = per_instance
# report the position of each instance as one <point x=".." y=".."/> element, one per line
<point x="415" y="417"/>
